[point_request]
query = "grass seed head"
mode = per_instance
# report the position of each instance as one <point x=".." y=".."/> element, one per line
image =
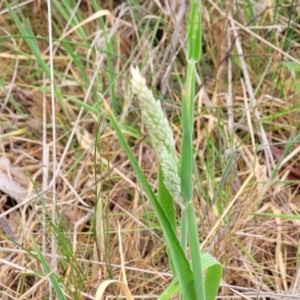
<point x="160" y="133"/>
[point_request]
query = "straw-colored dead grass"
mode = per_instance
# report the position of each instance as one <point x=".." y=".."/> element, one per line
<point x="247" y="102"/>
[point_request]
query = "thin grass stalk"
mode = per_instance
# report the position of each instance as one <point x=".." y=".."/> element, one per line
<point x="187" y="138"/>
<point x="183" y="230"/>
<point x="189" y="217"/>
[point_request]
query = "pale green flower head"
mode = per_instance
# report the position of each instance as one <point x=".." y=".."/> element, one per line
<point x="160" y="134"/>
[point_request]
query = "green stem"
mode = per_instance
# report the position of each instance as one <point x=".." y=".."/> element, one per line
<point x="184" y="229"/>
<point x="187" y="138"/>
<point x="195" y="252"/>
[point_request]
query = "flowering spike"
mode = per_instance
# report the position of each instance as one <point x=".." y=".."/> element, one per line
<point x="160" y="134"/>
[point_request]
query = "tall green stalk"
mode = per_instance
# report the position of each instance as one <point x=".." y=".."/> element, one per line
<point x="194" y="46"/>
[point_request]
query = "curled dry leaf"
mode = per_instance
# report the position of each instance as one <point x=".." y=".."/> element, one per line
<point x="13" y="181"/>
<point x="119" y="283"/>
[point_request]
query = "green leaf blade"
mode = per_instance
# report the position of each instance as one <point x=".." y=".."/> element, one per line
<point x="194" y="35"/>
<point x="181" y="264"/>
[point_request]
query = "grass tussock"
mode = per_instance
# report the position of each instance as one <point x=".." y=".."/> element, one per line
<point x="60" y="149"/>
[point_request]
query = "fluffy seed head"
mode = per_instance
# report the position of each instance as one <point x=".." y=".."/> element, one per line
<point x="160" y="134"/>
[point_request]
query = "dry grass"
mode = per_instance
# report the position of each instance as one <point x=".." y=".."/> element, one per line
<point x="246" y="122"/>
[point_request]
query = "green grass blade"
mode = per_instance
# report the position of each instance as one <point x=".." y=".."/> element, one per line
<point x="29" y="37"/>
<point x="170" y="291"/>
<point x="281" y="216"/>
<point x="166" y="201"/>
<point x="187" y="137"/>
<point x="195" y="252"/>
<point x="53" y="278"/>
<point x="194" y="34"/>
<point x="214" y="269"/>
<point x="181" y="264"/>
<point x="183" y="230"/>
<point x="213" y="275"/>
<point x="194" y="46"/>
